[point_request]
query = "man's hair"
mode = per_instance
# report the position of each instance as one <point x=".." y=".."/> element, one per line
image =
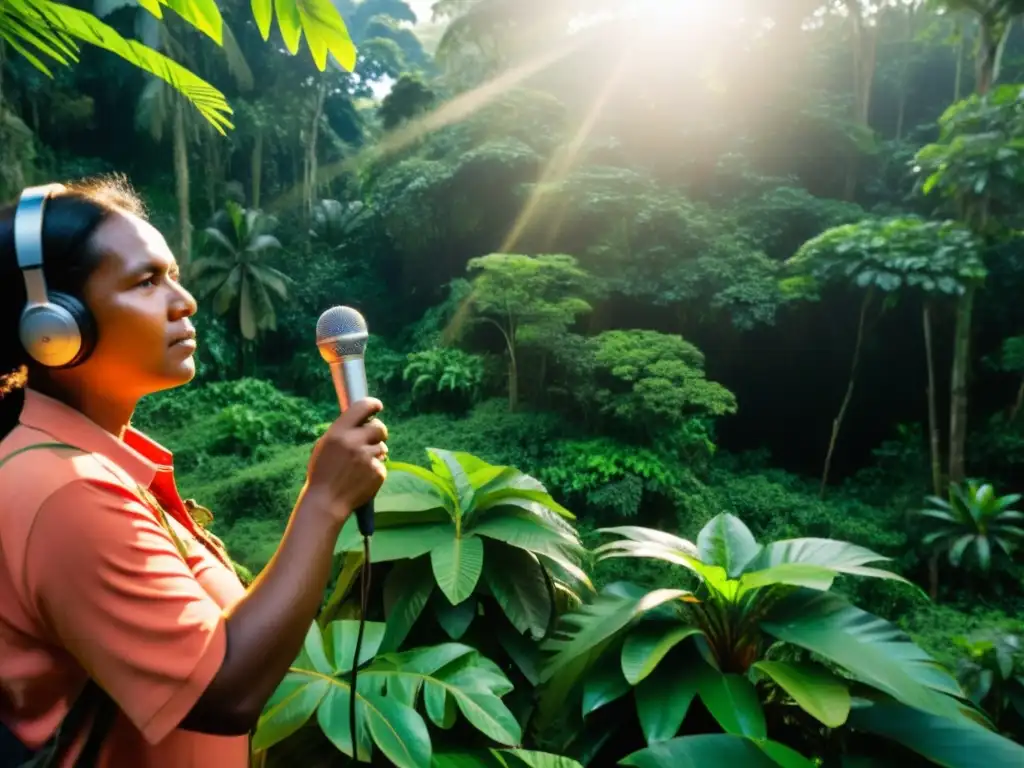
<point x="71" y="219"/>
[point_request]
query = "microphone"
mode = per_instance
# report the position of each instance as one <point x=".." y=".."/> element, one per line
<point x="341" y="337"/>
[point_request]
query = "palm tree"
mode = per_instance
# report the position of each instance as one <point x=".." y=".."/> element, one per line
<point x="234" y="279"/>
<point x="974" y="520"/>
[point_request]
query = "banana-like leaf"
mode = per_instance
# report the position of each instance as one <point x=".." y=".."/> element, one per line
<point x="457" y="565"/>
<point x="713" y="576"/>
<point x="716" y="749"/>
<point x="662" y="700"/>
<point x="819" y="693"/>
<point x="868" y="647"/>
<point x="647" y="645"/>
<point x="517" y="582"/>
<point x="727" y="542"/>
<point x="323" y="26"/>
<point x="953" y="743"/>
<point x="407" y="589"/>
<point x="454" y="619"/>
<point x="389" y="690"/>
<point x="51" y="27"/>
<point x="597" y="622"/>
<point x="400" y="543"/>
<point x="732" y="700"/>
<point x="503" y="758"/>
<point x="603" y="685"/>
<point x="791" y="557"/>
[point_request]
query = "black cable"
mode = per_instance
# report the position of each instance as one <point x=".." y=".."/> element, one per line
<point x="363" y="601"/>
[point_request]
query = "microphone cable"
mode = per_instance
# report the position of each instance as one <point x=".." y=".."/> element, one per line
<point x="366" y="528"/>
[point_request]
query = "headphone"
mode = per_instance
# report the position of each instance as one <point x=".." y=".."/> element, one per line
<point x="56" y="329"/>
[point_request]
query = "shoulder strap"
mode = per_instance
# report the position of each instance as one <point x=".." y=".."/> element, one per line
<point x="92" y="699"/>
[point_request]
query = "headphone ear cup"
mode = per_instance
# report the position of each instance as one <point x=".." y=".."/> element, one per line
<point x="86" y="325"/>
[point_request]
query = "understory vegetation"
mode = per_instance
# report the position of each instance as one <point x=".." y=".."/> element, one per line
<point x="698" y="330"/>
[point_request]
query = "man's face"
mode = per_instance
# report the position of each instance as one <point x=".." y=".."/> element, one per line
<point x="145" y="339"/>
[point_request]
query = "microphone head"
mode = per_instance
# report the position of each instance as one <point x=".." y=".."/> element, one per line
<point x="341" y="332"/>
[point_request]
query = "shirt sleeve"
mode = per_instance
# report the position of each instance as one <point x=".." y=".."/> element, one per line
<point x="106" y="579"/>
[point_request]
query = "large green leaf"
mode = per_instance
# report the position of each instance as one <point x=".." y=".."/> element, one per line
<point x="873" y="650"/>
<point x="808" y="563"/>
<point x="953" y="743"/>
<point x="603" y="685"/>
<point x="454" y="619"/>
<point x="716" y="749"/>
<point x="521" y="529"/>
<point x="726" y="542"/>
<point x="663" y="699"/>
<point x="732" y="700"/>
<point x="320" y="21"/>
<point x="516" y="579"/>
<point x="51" y="27"/>
<point x="819" y="693"/>
<point x="389" y="688"/>
<point x="599" y="621"/>
<point x="402" y="543"/>
<point x="647" y="645"/>
<point x="404" y="491"/>
<point x="457" y="565"/>
<point x="407" y="588"/>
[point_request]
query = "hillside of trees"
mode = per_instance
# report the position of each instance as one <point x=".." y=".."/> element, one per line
<point x="699" y="330"/>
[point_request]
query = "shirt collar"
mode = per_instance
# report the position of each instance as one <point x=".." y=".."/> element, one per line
<point x="137" y="454"/>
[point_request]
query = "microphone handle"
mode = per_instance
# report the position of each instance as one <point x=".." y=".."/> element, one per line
<point x="349" y="375"/>
<point x="364" y="518"/>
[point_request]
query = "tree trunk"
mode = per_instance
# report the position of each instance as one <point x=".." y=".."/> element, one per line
<point x="865" y="50"/>
<point x="902" y="114"/>
<point x="1018" y="402"/>
<point x="994" y="34"/>
<point x="933" y="576"/>
<point x="961" y="53"/>
<point x="181" y="182"/>
<point x="933" y="416"/>
<point x="257" y="167"/>
<point x="958" y="386"/>
<point x="312" y="172"/>
<point x="838" y="422"/>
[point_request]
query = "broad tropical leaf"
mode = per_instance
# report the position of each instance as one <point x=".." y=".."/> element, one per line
<point x="599" y="621"/>
<point x="726" y="542"/>
<point x="389" y="688"/>
<point x="51" y="29"/>
<point x="818" y="692"/>
<point x="716" y="749"/>
<point x="873" y="650"/>
<point x="953" y="743"/>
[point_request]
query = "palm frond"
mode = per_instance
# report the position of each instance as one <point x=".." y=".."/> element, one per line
<point x="51" y="28"/>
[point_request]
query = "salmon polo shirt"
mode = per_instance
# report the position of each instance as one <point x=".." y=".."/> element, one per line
<point x="91" y="583"/>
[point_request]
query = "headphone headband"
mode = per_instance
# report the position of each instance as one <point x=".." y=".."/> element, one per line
<point x="28" y="239"/>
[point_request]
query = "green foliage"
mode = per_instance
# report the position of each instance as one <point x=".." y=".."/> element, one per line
<point x="656" y="382"/>
<point x="452" y="678"/>
<point x="611" y="476"/>
<point x="441" y="371"/>
<point x="531" y="298"/>
<point x="991" y="672"/>
<point x="977" y="165"/>
<point x="483" y="528"/>
<point x="888" y="254"/>
<point x="672" y="647"/>
<point x="974" y="521"/>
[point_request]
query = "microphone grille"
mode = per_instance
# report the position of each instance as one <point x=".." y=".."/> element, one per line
<point x="342" y="330"/>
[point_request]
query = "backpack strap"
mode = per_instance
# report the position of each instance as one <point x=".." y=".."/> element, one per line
<point x="91" y="700"/>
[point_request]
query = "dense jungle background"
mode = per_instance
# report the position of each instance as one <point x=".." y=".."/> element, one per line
<point x="739" y="271"/>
